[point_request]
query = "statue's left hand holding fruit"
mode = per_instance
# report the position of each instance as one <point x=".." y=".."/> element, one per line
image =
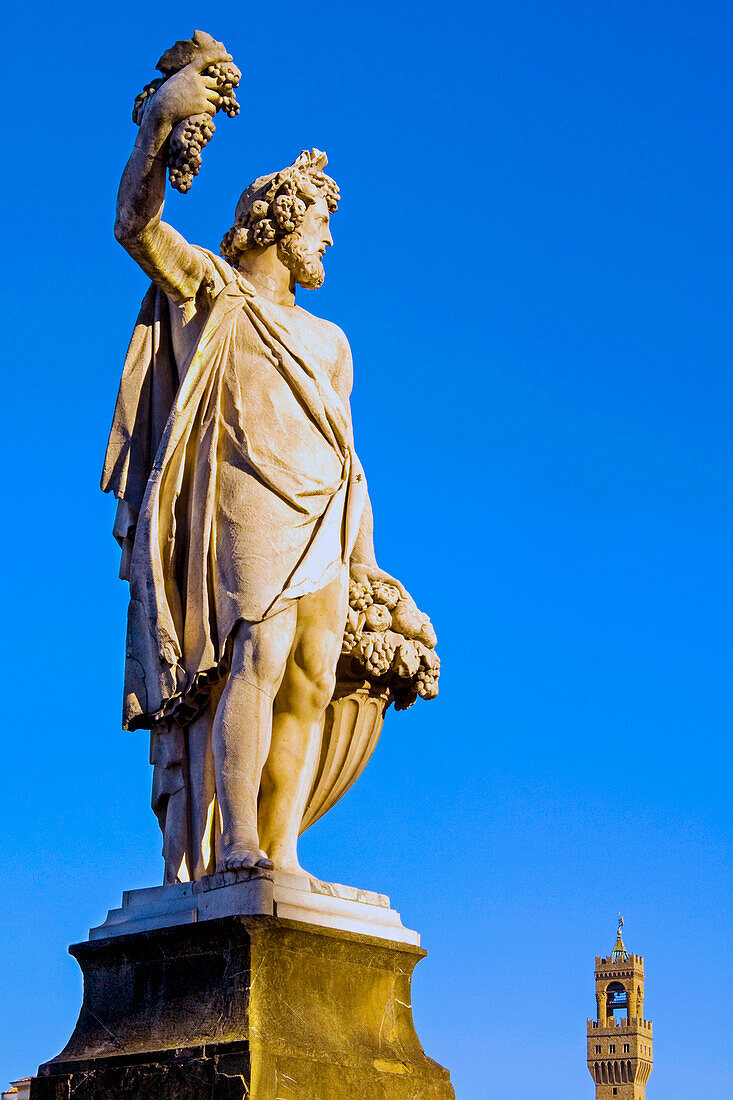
<point x="199" y="78"/>
<point x="188" y="92"/>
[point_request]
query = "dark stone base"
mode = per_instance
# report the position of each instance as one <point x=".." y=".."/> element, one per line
<point x="244" y="1008"/>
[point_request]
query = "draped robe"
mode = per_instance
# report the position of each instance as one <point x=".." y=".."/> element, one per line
<point x="238" y="486"/>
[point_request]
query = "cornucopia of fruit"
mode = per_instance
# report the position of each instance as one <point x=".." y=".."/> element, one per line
<point x="390" y="643"/>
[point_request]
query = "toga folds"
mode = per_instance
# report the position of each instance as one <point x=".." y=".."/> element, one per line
<point x="237" y="482"/>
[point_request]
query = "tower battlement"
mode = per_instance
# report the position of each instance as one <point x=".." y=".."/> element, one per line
<point x="642" y="1025"/>
<point x="631" y="960"/>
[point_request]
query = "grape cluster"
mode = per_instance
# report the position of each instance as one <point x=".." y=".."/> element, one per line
<point x="376" y="653"/>
<point x="426" y="681"/>
<point x="227" y="77"/>
<point x="329" y="189"/>
<point x="289" y="212"/>
<point x="264" y="232"/>
<point x="186" y="144"/>
<point x="360" y="595"/>
<point x="189" y="137"/>
<point x="350" y="639"/>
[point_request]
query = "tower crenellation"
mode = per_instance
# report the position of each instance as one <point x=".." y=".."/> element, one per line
<point x="620" y="1038"/>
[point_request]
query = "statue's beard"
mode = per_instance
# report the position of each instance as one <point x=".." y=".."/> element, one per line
<point x="305" y="267"/>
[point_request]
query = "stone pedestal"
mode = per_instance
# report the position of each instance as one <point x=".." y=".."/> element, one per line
<point x="258" y="1007"/>
<point x="257" y="893"/>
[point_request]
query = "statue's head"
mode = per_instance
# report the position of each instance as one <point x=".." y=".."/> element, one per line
<point x="290" y="211"/>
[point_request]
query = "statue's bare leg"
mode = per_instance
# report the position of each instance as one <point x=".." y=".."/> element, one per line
<point x="242" y="731"/>
<point x="300" y="704"/>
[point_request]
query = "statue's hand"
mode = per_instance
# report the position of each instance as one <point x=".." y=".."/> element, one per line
<point x="188" y="92"/>
<point x="407" y="619"/>
<point x="371" y="573"/>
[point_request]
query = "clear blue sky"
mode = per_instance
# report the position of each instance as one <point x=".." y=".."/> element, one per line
<point x="533" y="265"/>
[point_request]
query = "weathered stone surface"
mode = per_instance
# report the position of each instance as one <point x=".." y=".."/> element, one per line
<point x="180" y="1074"/>
<point x="245" y="1007"/>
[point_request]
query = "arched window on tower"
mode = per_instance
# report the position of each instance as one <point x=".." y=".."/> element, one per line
<point x="617" y="1001"/>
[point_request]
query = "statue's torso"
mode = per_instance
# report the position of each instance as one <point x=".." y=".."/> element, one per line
<point x="322" y="344"/>
<point x="284" y="456"/>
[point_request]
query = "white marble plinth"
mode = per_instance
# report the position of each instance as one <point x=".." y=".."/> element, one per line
<point x="249" y="893"/>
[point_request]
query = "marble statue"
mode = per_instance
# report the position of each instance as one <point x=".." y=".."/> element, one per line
<point x="264" y="641"/>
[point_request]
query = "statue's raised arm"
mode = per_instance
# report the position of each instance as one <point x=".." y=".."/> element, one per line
<point x="194" y="86"/>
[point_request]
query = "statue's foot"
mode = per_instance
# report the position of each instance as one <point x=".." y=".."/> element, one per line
<point x="292" y="869"/>
<point x="288" y="864"/>
<point x="239" y="857"/>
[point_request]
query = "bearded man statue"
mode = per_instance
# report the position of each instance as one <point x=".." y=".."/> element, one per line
<point x="242" y="506"/>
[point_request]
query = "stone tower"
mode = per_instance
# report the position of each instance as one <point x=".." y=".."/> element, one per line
<point x="620" y="1039"/>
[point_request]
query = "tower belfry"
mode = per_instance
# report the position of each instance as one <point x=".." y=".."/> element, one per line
<point x="620" y="1039"/>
